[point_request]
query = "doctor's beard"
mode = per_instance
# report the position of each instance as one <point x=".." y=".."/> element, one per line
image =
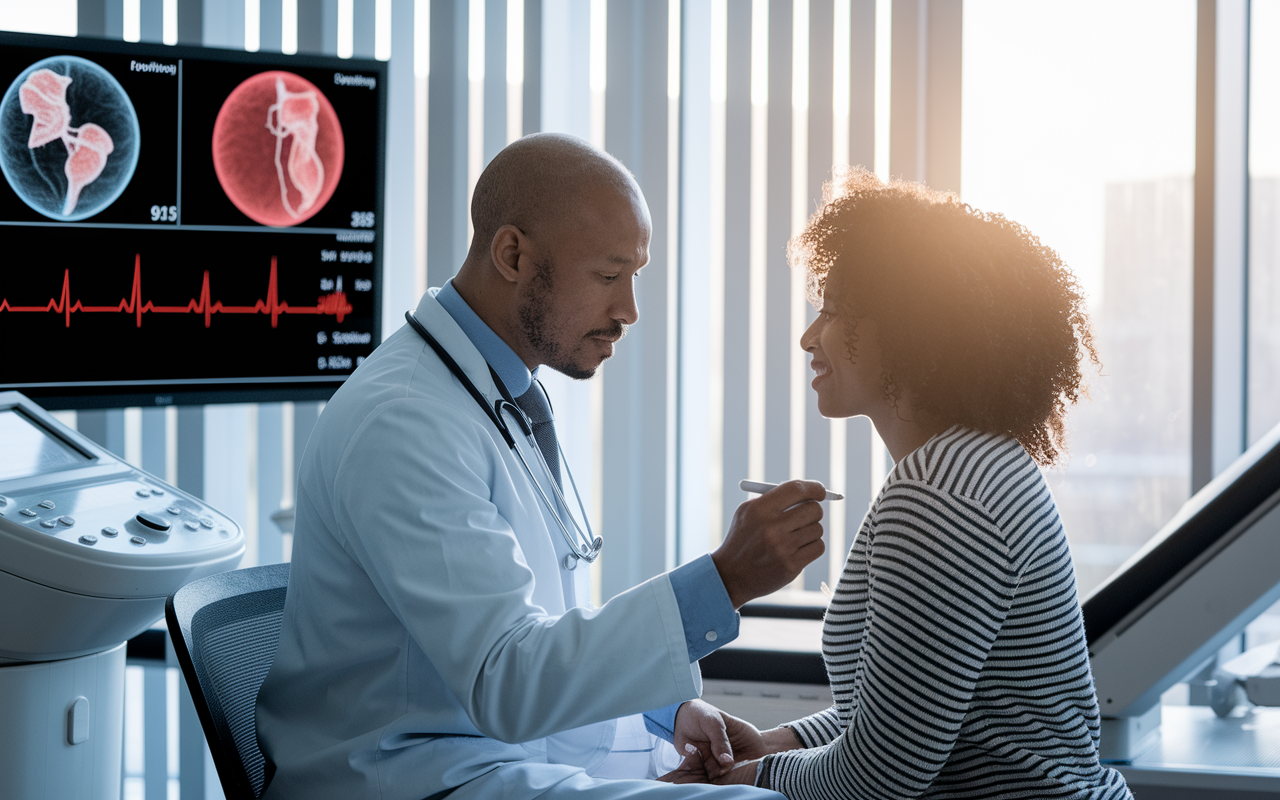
<point x="535" y="311"/>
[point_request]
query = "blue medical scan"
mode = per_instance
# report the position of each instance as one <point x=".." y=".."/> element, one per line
<point x="69" y="138"/>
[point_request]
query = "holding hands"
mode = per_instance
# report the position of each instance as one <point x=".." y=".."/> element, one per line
<point x="720" y="748"/>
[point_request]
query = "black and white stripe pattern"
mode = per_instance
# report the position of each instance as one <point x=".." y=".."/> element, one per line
<point x="954" y="644"/>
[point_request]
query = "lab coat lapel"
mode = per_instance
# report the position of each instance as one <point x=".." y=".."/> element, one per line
<point x="574" y="584"/>
<point x="447" y="332"/>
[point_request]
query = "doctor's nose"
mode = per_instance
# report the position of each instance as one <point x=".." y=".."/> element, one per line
<point x="626" y="310"/>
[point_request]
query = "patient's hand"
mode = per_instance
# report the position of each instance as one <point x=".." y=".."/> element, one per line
<point x="778" y="739"/>
<point x="743" y="772"/>
<point x="691" y="771"/>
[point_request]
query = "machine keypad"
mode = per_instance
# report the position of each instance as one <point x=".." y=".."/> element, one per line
<point x="85" y="537"/>
<point x="115" y="515"/>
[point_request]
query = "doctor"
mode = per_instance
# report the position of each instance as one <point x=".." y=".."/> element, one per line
<point x="437" y="636"/>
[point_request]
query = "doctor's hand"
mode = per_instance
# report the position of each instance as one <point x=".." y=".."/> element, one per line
<point x="716" y="739"/>
<point x="699" y="725"/>
<point x="711" y="740"/>
<point x="771" y="539"/>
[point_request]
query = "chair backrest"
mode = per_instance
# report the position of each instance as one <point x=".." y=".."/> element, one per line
<point x="225" y="629"/>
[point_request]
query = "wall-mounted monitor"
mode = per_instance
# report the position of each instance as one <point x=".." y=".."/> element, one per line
<point x="186" y="225"/>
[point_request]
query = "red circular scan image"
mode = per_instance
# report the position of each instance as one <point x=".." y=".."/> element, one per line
<point x="277" y="148"/>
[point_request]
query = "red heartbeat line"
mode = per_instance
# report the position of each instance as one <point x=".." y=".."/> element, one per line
<point x="334" y="304"/>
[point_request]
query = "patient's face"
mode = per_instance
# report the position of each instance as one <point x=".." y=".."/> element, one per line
<point x="849" y="382"/>
<point x="581" y="296"/>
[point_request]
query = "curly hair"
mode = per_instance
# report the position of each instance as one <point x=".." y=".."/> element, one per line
<point x="979" y="321"/>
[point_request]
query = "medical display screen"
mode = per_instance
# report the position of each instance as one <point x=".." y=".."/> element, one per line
<point x="187" y="219"/>
<point x="27" y="449"/>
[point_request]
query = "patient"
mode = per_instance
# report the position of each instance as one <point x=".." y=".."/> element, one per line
<point x="954" y="641"/>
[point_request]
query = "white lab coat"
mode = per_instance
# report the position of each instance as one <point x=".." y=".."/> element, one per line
<point x="431" y="633"/>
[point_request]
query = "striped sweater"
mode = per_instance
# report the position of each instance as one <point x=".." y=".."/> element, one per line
<point x="954" y="644"/>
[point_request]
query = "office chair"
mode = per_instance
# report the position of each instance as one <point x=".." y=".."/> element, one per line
<point x="225" y="629"/>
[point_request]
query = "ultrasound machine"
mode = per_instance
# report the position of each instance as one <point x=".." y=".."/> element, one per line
<point x="90" y="547"/>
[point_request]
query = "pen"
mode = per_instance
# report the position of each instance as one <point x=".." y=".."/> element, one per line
<point x="756" y="487"/>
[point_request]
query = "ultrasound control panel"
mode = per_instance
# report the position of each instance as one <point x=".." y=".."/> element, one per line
<point x="90" y="546"/>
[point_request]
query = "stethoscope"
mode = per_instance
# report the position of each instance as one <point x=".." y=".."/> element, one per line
<point x="584" y="546"/>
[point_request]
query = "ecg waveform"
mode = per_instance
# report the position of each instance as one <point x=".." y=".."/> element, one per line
<point x="334" y="304"/>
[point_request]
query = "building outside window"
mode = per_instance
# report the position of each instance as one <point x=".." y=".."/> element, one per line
<point x="1079" y="123"/>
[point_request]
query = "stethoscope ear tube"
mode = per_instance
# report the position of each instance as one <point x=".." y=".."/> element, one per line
<point x="494" y="415"/>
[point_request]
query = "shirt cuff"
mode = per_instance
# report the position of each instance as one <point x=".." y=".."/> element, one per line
<point x="706" y="612"/>
<point x="661" y="722"/>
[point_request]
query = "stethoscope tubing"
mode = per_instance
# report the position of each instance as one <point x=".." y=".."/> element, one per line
<point x="586" y="550"/>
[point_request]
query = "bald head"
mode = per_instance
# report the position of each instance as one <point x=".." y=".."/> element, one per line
<point x="540" y="181"/>
<point x="561" y="229"/>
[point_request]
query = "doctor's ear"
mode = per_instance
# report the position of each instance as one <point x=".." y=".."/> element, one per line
<point x="508" y="243"/>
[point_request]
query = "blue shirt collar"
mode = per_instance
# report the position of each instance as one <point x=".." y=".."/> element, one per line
<point x="510" y="368"/>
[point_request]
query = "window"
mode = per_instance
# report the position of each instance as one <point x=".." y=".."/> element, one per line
<point x="1264" y="221"/>
<point x="1263" y="370"/>
<point x="1079" y="123"/>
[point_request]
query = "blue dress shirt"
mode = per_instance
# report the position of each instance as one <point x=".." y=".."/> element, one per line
<point x="706" y="613"/>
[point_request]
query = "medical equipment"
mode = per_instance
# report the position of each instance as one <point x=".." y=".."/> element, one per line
<point x="90" y="547"/>
<point x="585" y="546"/>
<point x="1251" y="677"/>
<point x="1193" y="587"/>
<point x="263" y="254"/>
